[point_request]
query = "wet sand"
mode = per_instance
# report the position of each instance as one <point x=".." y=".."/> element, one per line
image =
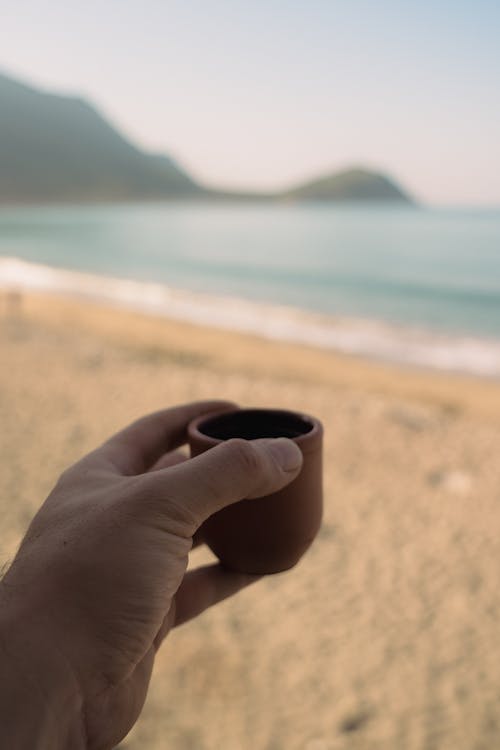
<point x="386" y="635"/>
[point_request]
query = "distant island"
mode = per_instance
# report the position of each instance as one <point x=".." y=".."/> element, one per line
<point x="57" y="148"/>
<point x="350" y="185"/>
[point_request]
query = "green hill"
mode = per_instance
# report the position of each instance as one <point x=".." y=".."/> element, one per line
<point x="350" y="185"/>
<point x="60" y="148"/>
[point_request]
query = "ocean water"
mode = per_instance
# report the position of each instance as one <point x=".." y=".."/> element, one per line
<point x="415" y="285"/>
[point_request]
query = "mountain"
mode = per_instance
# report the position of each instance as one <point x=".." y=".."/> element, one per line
<point x="351" y="185"/>
<point x="60" y="148"/>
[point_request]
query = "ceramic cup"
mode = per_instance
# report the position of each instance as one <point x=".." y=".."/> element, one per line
<point x="267" y="534"/>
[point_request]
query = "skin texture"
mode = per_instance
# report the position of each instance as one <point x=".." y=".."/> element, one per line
<point x="100" y="577"/>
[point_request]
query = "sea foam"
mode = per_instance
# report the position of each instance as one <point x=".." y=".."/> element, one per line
<point x="375" y="339"/>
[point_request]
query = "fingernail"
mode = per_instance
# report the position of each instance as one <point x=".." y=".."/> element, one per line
<point x="286" y="453"/>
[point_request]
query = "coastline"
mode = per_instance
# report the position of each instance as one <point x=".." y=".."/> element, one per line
<point x="407" y="346"/>
<point x="233" y="351"/>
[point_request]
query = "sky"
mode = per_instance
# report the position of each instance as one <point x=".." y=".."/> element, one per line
<point x="262" y="94"/>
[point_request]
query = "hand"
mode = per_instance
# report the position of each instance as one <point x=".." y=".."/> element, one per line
<point x="100" y="578"/>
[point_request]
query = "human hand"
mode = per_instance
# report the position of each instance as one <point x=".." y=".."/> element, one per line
<point x="100" y="578"/>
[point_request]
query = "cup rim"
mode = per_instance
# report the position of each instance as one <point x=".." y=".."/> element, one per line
<point x="307" y="442"/>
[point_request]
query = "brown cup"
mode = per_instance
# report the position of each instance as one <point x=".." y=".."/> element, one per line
<point x="267" y="534"/>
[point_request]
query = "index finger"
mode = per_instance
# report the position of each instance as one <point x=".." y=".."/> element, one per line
<point x="135" y="449"/>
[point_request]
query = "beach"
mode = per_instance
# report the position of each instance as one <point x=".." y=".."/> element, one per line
<point x="386" y="635"/>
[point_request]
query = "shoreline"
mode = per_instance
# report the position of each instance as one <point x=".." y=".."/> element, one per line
<point x="229" y="351"/>
<point x="375" y="341"/>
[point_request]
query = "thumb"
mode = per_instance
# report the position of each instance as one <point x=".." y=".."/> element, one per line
<point x="234" y="470"/>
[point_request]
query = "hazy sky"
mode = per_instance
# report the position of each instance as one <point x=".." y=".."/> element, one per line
<point x="259" y="94"/>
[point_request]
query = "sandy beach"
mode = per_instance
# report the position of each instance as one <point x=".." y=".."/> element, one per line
<point x="386" y="636"/>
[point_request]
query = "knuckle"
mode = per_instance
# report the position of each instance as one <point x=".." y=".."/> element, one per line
<point x="154" y="503"/>
<point x="245" y="456"/>
<point x="181" y="516"/>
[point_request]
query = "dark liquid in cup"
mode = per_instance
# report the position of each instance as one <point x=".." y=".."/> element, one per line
<point x="254" y="424"/>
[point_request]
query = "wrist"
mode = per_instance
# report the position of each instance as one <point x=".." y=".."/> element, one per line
<point x="40" y="704"/>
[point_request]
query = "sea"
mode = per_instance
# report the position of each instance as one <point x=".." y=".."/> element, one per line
<point x="412" y="285"/>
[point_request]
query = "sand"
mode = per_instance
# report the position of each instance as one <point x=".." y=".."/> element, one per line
<point x="387" y="633"/>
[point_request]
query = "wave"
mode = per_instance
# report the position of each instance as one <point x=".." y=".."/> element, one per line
<point x="370" y="338"/>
